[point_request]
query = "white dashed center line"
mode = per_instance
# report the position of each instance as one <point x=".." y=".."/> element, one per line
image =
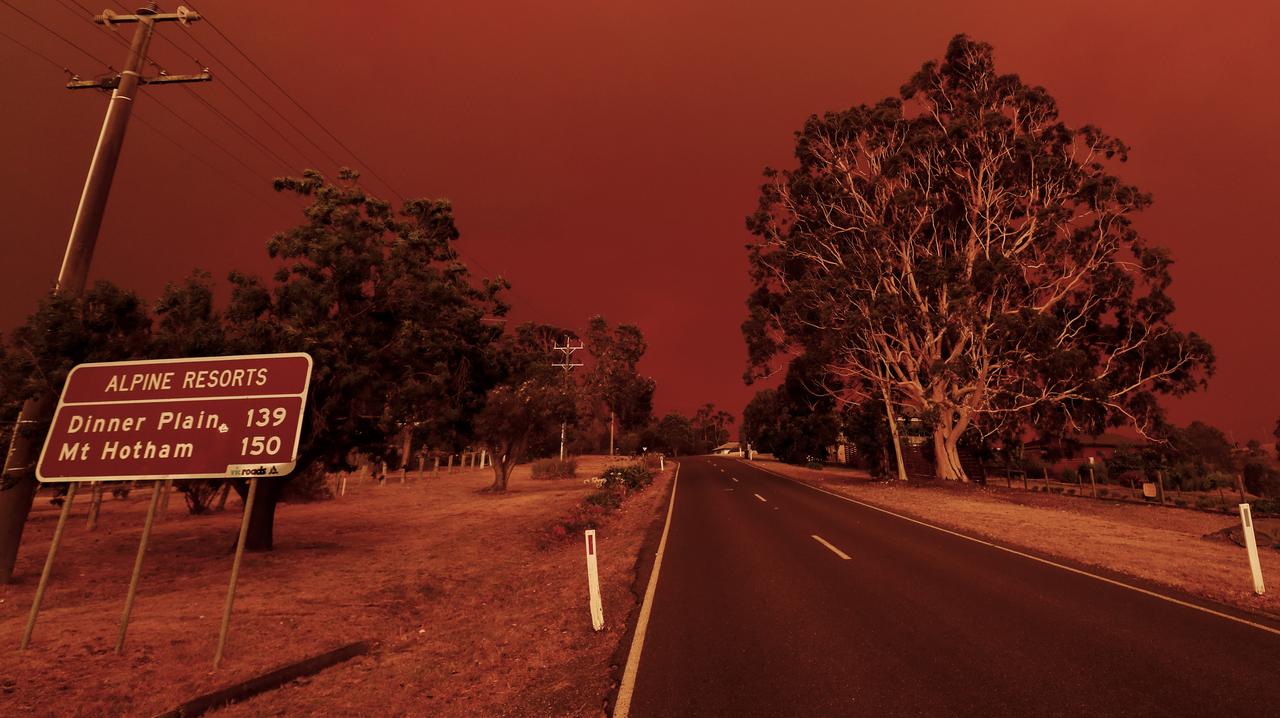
<point x="834" y="550"/>
<point x="758" y="496"/>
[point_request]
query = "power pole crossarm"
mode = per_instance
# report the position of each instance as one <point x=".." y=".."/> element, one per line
<point x="112" y="82"/>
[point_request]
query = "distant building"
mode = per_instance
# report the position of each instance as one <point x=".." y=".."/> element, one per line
<point x="729" y="448"/>
<point x="1077" y="450"/>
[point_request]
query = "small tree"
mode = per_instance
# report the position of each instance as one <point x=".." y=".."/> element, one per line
<point x="531" y="399"/>
<point x="614" y="381"/>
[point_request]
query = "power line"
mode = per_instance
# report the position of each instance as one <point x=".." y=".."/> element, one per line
<point x="33" y="51"/>
<point x="240" y="185"/>
<point x="236" y="125"/>
<point x="56" y="34"/>
<point x="210" y="140"/>
<point x="304" y="110"/>
<point x="230" y="70"/>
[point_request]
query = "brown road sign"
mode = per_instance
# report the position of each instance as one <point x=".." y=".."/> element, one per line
<point x="201" y="418"/>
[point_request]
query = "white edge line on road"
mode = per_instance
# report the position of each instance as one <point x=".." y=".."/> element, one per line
<point x="758" y="496"/>
<point x="1015" y="552"/>
<point x="622" y="706"/>
<point x="834" y="550"/>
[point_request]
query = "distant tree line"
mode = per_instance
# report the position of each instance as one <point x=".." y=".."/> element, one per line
<point x="406" y="344"/>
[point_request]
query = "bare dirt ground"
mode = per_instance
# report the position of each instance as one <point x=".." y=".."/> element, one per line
<point x="468" y="614"/>
<point x="1164" y="545"/>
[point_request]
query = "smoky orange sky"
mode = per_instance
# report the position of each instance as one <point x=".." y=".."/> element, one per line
<point x="603" y="155"/>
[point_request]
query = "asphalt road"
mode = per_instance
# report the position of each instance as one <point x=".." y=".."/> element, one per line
<point x="753" y="616"/>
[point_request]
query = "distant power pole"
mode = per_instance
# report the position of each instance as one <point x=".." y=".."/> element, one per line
<point x="17" y="486"/>
<point x="568" y="365"/>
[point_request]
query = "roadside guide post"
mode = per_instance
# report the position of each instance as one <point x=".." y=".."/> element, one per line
<point x="1251" y="544"/>
<point x="237" y="417"/>
<point x="593" y="582"/>
<point x="1093" y="481"/>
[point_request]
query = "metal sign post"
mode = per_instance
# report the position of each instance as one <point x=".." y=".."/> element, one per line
<point x="235" y="572"/>
<point x="48" y="566"/>
<point x="137" y="565"/>
<point x="593" y="582"/>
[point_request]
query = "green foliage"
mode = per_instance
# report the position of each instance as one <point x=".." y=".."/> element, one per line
<point x="555" y="468"/>
<point x="614" y="381"/>
<point x="1261" y="480"/>
<point x="106" y="323"/>
<point x="391" y="317"/>
<point x="884" y="250"/>
<point x="620" y="481"/>
<point x="529" y="403"/>
<point x="798" y="420"/>
<point x="711" y="426"/>
<point x="672" y="434"/>
<point x="633" y="477"/>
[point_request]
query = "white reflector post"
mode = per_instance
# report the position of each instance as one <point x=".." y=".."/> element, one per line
<point x="593" y="582"/>
<point x="1250" y="543"/>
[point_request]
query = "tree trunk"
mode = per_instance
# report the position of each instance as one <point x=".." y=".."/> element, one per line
<point x="501" y="474"/>
<point x="15" y="506"/>
<point x="19" y="467"/>
<point x="261" y="533"/>
<point x="946" y="457"/>
<point x="893" y="434"/>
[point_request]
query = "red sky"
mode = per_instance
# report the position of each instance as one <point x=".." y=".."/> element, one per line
<point x="603" y="155"/>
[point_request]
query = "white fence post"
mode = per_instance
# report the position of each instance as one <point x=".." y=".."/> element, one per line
<point x="593" y="582"/>
<point x="1251" y="544"/>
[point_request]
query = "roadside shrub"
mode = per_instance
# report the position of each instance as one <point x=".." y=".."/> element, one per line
<point x="1070" y="475"/>
<point x="310" y="485"/>
<point x="1179" y="502"/>
<point x="1261" y="480"/>
<point x="1266" y="506"/>
<point x="610" y="498"/>
<point x="1071" y="492"/>
<point x="1203" y="503"/>
<point x="1102" y="493"/>
<point x="632" y="476"/>
<point x="615" y="484"/>
<point x="555" y="468"/>
<point x="199" y="494"/>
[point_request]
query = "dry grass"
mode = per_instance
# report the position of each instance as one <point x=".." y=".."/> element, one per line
<point x="469" y="616"/>
<point x="1164" y="545"/>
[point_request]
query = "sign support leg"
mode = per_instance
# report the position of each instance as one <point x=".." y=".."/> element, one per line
<point x="48" y="565"/>
<point x="95" y="504"/>
<point x="137" y="570"/>
<point x="235" y="571"/>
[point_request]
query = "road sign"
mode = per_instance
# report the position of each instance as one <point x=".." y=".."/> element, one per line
<point x="197" y="418"/>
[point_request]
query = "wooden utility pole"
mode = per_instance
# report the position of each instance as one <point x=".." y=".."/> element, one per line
<point x="569" y="365"/>
<point x="19" y="484"/>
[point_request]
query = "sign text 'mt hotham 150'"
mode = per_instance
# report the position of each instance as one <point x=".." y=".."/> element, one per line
<point x="198" y="418"/>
